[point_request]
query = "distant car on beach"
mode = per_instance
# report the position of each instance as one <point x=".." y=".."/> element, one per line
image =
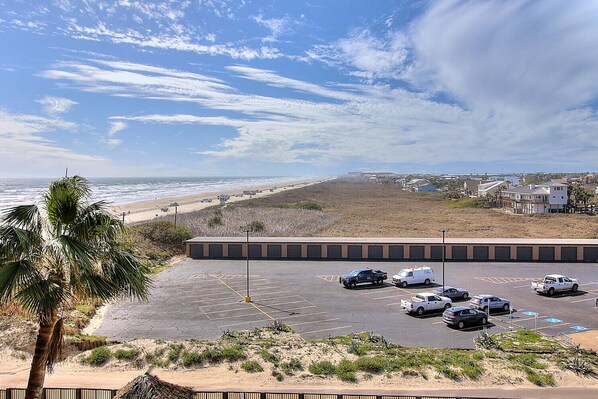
<point x="206" y="200"/>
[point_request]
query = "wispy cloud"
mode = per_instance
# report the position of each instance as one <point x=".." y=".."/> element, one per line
<point x="276" y="26"/>
<point x="116" y="127"/>
<point x="56" y="105"/>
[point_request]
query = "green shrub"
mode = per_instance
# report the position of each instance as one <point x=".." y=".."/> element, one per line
<point x="375" y="364"/>
<point x="448" y="372"/>
<point x="528" y="359"/>
<point x="129" y="354"/>
<point x="212" y="355"/>
<point x="268" y="356"/>
<point x="291" y="366"/>
<point x="164" y="233"/>
<point x="322" y="368"/>
<point x="251" y="366"/>
<point x="214" y="220"/>
<point x="254" y="226"/>
<point x="539" y="379"/>
<point x="233" y="353"/>
<point x="345" y="371"/>
<point x="175" y="352"/>
<point x="98" y="356"/>
<point x="191" y="359"/>
<point x="477" y="202"/>
<point x="308" y="205"/>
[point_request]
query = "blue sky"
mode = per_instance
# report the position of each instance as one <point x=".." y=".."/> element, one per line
<point x="237" y="88"/>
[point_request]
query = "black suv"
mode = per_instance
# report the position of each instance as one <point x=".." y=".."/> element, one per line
<point x="459" y="316"/>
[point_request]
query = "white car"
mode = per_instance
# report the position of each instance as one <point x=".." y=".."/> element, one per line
<point x="426" y="302"/>
<point x="420" y="275"/>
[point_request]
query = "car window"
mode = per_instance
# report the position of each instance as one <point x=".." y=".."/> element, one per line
<point x="437" y="298"/>
<point x="410" y="274"/>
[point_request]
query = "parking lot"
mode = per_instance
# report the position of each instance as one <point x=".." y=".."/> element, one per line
<point x="199" y="299"/>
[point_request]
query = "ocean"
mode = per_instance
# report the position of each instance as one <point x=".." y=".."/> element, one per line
<point x="122" y="190"/>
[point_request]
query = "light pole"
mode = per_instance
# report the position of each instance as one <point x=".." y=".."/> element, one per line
<point x="176" y="209"/>
<point x="443" y="231"/>
<point x="247" y="229"/>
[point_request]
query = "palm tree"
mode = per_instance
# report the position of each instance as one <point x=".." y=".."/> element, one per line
<point x="66" y="250"/>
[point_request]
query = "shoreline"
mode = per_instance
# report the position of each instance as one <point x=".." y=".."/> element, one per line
<point x="142" y="211"/>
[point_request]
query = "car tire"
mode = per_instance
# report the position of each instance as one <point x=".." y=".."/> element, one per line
<point x="551" y="291"/>
<point x="465" y="296"/>
<point x="352" y="285"/>
<point x="427" y="282"/>
<point x="574" y="288"/>
<point x="380" y="281"/>
<point x="448" y="305"/>
<point x="404" y="284"/>
<point x="420" y="311"/>
<point x="485" y="309"/>
<point x="506" y="307"/>
<point x="460" y="325"/>
<point x="484" y="321"/>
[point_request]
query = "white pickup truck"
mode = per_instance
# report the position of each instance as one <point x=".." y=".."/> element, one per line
<point x="555" y="283"/>
<point x="425" y="302"/>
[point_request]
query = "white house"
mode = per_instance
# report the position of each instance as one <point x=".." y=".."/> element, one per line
<point x="549" y="197"/>
<point x="490" y="188"/>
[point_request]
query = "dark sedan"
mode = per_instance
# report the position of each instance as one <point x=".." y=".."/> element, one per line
<point x="452" y="292"/>
<point x="460" y="316"/>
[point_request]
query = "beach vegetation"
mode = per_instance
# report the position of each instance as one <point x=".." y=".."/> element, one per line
<point x="308" y="205"/>
<point x="98" y="356"/>
<point x="254" y="226"/>
<point x="68" y="248"/>
<point x="291" y="366"/>
<point x="252" y="366"/>
<point x="476" y="202"/>
<point x="214" y="220"/>
<point x="164" y="233"/>
<point x="324" y="367"/>
<point x="126" y="354"/>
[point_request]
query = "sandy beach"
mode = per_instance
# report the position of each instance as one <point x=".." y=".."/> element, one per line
<point x="147" y="210"/>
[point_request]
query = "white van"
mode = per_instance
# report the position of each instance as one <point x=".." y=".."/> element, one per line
<point x="420" y="275"/>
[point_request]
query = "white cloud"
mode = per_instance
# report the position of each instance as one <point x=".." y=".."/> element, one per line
<point x="366" y="55"/>
<point x="116" y="127"/>
<point x="358" y="122"/>
<point x="276" y="26"/>
<point x="56" y="105"/>
<point x="23" y="146"/>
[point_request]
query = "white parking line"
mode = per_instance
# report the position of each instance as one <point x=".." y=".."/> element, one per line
<point x="312" y="322"/>
<point x="325" y="329"/>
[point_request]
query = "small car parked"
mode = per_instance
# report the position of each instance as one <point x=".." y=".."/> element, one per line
<point x="460" y="316"/>
<point x="452" y="292"/>
<point x="496" y="303"/>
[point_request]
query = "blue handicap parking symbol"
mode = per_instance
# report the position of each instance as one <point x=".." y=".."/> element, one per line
<point x="579" y="328"/>
<point x="553" y="320"/>
<point x="529" y="313"/>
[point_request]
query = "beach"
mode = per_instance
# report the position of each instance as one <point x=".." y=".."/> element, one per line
<point x="141" y="211"/>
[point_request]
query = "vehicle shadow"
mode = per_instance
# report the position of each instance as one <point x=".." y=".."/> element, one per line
<point x="473" y="328"/>
<point x="567" y="294"/>
<point x="427" y="315"/>
<point x="366" y="287"/>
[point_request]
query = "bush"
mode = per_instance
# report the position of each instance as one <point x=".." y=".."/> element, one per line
<point x="214" y="220"/>
<point x="308" y="205"/>
<point x="251" y="366"/>
<point x="322" y="368"/>
<point x="164" y="233"/>
<point x="233" y="353"/>
<point x="175" y="352"/>
<point x="269" y="357"/>
<point x="345" y="371"/>
<point x="254" y="226"/>
<point x="528" y="359"/>
<point x="191" y="359"/>
<point x="375" y="364"/>
<point x="539" y="379"/>
<point x="212" y="355"/>
<point x="129" y="354"/>
<point x="292" y="365"/>
<point x="477" y="202"/>
<point x="98" y="356"/>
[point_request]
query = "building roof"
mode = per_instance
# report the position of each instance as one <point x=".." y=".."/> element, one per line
<point x="151" y="387"/>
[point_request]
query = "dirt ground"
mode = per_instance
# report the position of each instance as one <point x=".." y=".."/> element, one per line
<point x="367" y="209"/>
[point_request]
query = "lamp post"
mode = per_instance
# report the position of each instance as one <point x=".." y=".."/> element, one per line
<point x="176" y="208"/>
<point x="246" y="230"/>
<point x="443" y="231"/>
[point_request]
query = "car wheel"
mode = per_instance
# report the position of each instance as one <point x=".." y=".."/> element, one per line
<point x="380" y="281"/>
<point x="484" y="321"/>
<point x="574" y="288"/>
<point x="448" y="305"/>
<point x="427" y="282"/>
<point x="485" y="309"/>
<point x="460" y="325"/>
<point x="352" y="285"/>
<point x="465" y="295"/>
<point x="551" y="291"/>
<point x="420" y="311"/>
<point x="506" y="307"/>
<point x="404" y="284"/>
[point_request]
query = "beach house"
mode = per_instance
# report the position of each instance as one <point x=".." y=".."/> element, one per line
<point x="548" y="197"/>
<point x="490" y="188"/>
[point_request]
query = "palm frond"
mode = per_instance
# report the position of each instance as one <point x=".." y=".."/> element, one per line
<point x="42" y="296"/>
<point x="26" y="217"/>
<point x="92" y="284"/>
<point x="14" y="275"/>
<point x="55" y="345"/>
<point x="64" y="199"/>
<point x="129" y="274"/>
<point x="16" y="242"/>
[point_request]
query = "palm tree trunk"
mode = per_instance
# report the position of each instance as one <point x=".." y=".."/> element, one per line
<point x="37" y="374"/>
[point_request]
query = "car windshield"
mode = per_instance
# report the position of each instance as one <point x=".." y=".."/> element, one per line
<point x="355" y="272"/>
<point x="403" y="273"/>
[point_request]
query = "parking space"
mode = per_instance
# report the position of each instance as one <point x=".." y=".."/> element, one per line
<point x="200" y="299"/>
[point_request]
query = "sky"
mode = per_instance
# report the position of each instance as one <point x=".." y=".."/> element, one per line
<point x="297" y="88"/>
